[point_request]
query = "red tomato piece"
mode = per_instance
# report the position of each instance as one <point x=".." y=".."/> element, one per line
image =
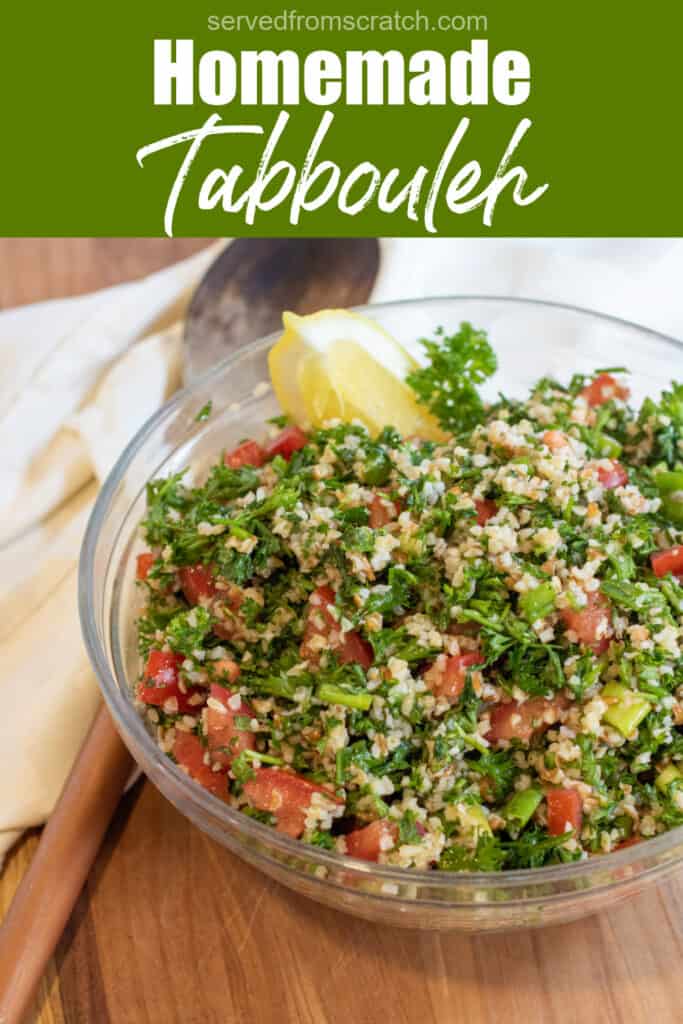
<point x="667" y="561"/>
<point x="249" y="453"/>
<point x="197" y="583"/>
<point x="603" y="388"/>
<point x="321" y="623"/>
<point x="356" y="650"/>
<point x="145" y="561"/>
<point x="382" y="511"/>
<point x="320" y="620"/>
<point x="368" y="842"/>
<point x="631" y="841"/>
<point x="189" y="753"/>
<point x="447" y="676"/>
<point x="612" y="476"/>
<point x="485" y="508"/>
<point x="379" y="513"/>
<point x="515" y="721"/>
<point x="288" y="441"/>
<point x="228" y="668"/>
<point x="225" y="739"/>
<point x="163" y="666"/>
<point x="285" y="795"/>
<point x="564" y="811"/>
<point x="161" y="683"/>
<point x="590" y="623"/>
<point x="555" y="440"/>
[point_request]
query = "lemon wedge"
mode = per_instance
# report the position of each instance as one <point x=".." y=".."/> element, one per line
<point x="340" y="365"/>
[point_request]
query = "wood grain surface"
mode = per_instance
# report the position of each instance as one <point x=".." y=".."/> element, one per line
<point x="172" y="928"/>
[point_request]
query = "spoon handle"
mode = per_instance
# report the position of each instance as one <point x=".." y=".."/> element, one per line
<point x="67" y="849"/>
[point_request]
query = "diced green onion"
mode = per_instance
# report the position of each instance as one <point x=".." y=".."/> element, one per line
<point x="340" y="767"/>
<point x="670" y="487"/>
<point x="672" y="507"/>
<point x="538" y="603"/>
<point x="254" y="755"/>
<point x="519" y="808"/>
<point x="668" y="482"/>
<point x="471" y="740"/>
<point x="377" y="469"/>
<point x="626" y="710"/>
<point x="668" y="775"/>
<point x="625" y="824"/>
<point x="279" y="686"/>
<point x="238" y="531"/>
<point x="328" y="693"/>
<point x="607" y="447"/>
<point x="674" y="595"/>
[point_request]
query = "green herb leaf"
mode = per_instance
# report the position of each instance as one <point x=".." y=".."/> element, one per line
<point x="458" y="363"/>
<point x="204" y="412"/>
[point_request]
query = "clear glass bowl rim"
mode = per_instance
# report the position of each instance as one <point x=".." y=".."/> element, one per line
<point x="128" y="720"/>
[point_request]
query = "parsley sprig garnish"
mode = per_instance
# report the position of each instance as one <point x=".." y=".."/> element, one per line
<point x="447" y="386"/>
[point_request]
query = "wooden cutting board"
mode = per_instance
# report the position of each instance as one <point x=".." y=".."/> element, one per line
<point x="172" y="928"/>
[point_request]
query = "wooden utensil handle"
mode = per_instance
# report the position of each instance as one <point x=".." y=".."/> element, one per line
<point x="67" y="849"/>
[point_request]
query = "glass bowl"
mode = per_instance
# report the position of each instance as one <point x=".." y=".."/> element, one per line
<point x="532" y="339"/>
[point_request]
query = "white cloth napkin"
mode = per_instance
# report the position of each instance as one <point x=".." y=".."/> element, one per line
<point x="79" y="376"/>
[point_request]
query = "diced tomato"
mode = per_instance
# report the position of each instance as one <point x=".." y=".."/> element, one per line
<point x="603" y="388"/>
<point x="356" y="650"/>
<point x="382" y="511"/>
<point x="285" y="795"/>
<point x="631" y="841"/>
<point x="197" y="583"/>
<point x="555" y="440"/>
<point x="189" y="753"/>
<point x="485" y="508"/>
<point x="320" y="617"/>
<point x="590" y="623"/>
<point x="668" y="561"/>
<point x="288" y="441"/>
<point x="321" y="623"/>
<point x="447" y="676"/>
<point x="523" y="721"/>
<point x="162" y="667"/>
<point x="564" y="811"/>
<point x="224" y="738"/>
<point x="161" y="683"/>
<point x="249" y="453"/>
<point x="368" y="842"/>
<point x="612" y="476"/>
<point x="145" y="561"/>
<point x="601" y="646"/>
<point x="227" y="668"/>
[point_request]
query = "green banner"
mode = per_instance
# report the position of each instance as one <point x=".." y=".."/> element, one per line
<point x="254" y="118"/>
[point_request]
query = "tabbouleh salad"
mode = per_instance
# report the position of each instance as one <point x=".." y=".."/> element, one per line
<point x="462" y="655"/>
